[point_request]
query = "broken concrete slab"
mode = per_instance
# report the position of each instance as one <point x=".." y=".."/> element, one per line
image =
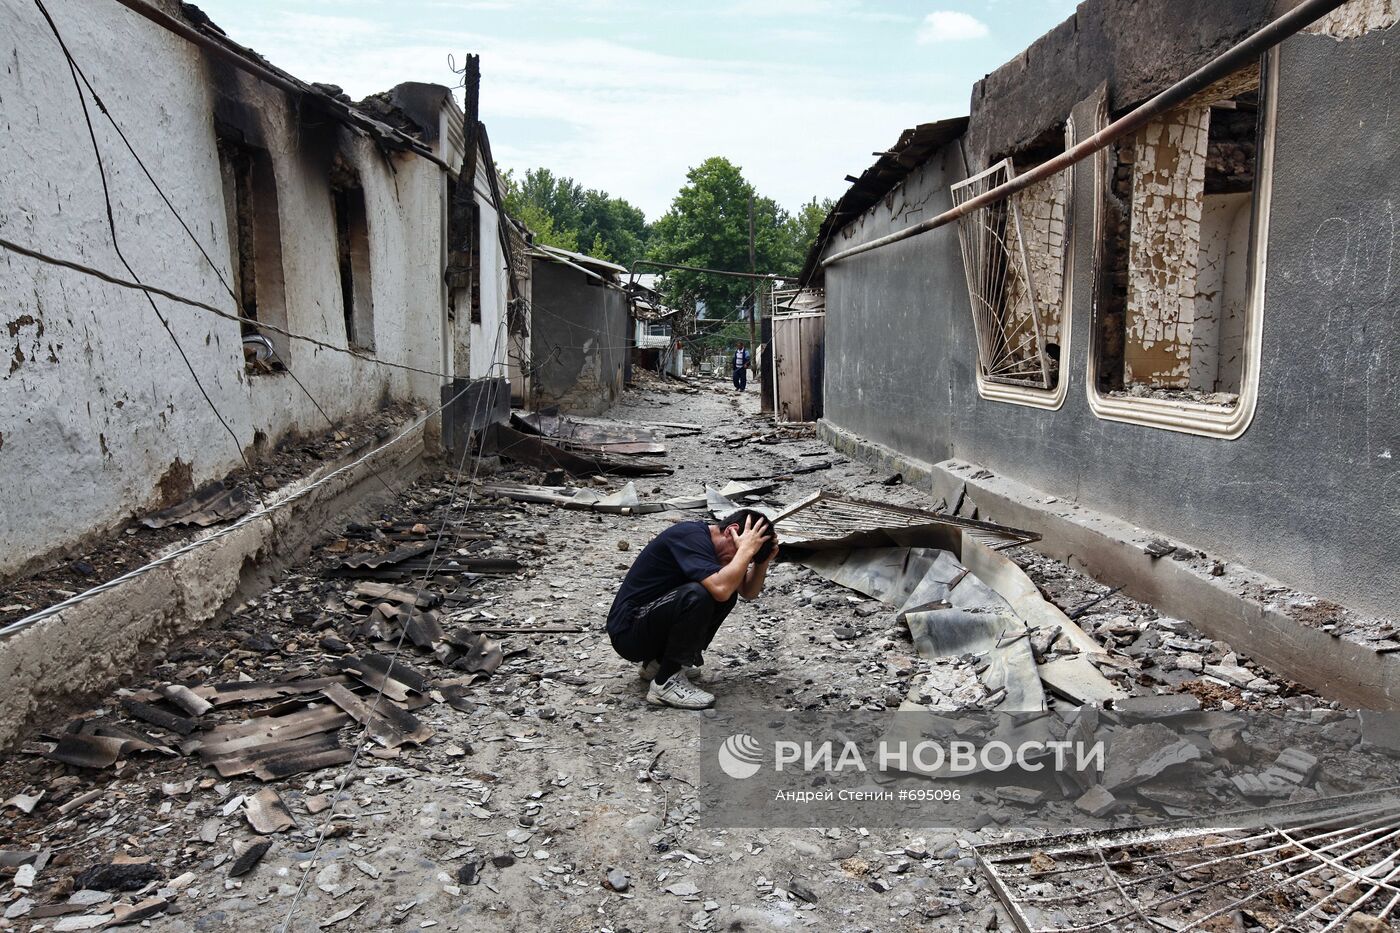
<point x="1097" y="801"/>
<point x="1140" y="753"/>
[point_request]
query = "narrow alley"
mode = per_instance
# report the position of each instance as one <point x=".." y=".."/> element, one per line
<point x="542" y="475"/>
<point x="537" y="791"/>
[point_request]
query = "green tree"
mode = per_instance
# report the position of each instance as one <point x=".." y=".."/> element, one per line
<point x="562" y="213"/>
<point x="559" y="197"/>
<point x="620" y="227"/>
<point x="708" y="225"/>
<point x="527" y="200"/>
<point x="803" y="229"/>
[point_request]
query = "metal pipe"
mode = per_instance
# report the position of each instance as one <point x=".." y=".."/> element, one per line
<point x="1226" y="63"/>
<point x="229" y="51"/>
<point x="675" y="265"/>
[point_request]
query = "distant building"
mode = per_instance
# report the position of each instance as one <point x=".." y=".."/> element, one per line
<point x="580" y="331"/>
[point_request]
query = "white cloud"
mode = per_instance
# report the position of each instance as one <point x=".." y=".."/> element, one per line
<point x="950" y="26"/>
<point x="621" y="117"/>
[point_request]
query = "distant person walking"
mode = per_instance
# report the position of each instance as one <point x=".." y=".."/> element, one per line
<point x="741" y="367"/>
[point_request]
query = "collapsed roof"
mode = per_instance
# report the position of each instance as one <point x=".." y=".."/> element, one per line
<point x="914" y="147"/>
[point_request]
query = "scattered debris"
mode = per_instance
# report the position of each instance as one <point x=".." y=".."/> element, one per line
<point x="248" y="859"/>
<point x="211" y="504"/>
<point x="503" y="748"/>
<point x="542" y="454"/>
<point x="266" y="812"/>
<point x="1178" y="876"/>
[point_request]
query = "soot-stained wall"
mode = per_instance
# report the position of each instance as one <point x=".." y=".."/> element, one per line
<point x="100" y="419"/>
<point x="1310" y="493"/>
<point x="578" y="340"/>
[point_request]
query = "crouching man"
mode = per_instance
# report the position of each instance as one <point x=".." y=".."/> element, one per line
<point x="678" y="592"/>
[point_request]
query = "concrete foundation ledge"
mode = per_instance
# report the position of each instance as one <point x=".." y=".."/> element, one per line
<point x="885" y="459"/>
<point x="1224" y="607"/>
<point x="94" y="645"/>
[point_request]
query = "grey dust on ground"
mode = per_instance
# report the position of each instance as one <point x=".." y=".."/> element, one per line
<point x="543" y="792"/>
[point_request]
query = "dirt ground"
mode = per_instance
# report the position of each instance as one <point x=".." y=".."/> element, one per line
<point x="553" y="772"/>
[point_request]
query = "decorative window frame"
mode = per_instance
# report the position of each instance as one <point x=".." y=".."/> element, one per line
<point x="1199" y="418"/>
<point x="1047" y="399"/>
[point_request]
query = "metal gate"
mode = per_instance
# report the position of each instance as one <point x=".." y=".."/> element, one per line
<point x="799" y="360"/>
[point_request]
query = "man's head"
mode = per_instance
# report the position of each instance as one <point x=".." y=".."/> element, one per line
<point x="732" y="525"/>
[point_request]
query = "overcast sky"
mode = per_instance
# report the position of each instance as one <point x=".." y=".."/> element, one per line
<point x="625" y="95"/>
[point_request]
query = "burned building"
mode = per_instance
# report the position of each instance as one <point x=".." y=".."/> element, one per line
<point x="207" y="259"/>
<point x="1187" y="336"/>
<point x="580" y="339"/>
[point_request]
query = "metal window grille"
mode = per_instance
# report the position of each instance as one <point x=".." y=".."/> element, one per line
<point x="1304" y="868"/>
<point x="1010" y="345"/>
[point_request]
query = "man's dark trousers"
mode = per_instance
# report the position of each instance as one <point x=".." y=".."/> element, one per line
<point x="741" y="377"/>
<point x="676" y="626"/>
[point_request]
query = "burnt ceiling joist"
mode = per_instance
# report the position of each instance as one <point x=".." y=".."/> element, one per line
<point x="914" y="147"/>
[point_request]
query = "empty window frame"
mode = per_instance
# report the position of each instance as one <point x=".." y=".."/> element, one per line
<point x="353" y="255"/>
<point x="1179" y="298"/>
<point x="255" y="250"/>
<point x="1015" y="260"/>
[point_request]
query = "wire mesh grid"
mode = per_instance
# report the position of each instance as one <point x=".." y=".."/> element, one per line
<point x="1306" y="869"/>
<point x="1010" y="345"/>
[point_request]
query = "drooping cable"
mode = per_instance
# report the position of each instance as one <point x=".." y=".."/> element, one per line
<point x="116" y="246"/>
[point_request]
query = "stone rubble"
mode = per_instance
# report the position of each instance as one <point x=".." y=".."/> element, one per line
<point x="549" y="795"/>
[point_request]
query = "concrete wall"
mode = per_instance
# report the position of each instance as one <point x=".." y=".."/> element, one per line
<point x="1310" y="493"/>
<point x="578" y="339"/>
<point x="96" y="406"/>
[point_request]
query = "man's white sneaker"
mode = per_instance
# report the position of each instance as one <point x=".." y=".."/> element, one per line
<point x="680" y="693"/>
<point x="649" y="670"/>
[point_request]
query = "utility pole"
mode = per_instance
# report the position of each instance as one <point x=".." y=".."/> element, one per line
<point x="461" y="213"/>
<point x="753" y="299"/>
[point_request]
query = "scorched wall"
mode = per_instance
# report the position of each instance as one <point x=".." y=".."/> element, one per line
<point x="1310" y="492"/>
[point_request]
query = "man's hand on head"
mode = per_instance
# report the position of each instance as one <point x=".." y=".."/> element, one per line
<point x="751" y="539"/>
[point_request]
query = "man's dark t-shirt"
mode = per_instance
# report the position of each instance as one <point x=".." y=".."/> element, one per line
<point x="679" y="555"/>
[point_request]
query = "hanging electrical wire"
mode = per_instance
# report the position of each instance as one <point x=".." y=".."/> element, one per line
<point x="116" y="245"/>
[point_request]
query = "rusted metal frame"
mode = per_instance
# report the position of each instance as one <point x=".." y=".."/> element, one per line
<point x="1381" y="822"/>
<point x="1229" y="61"/>
<point x="1356" y="879"/>
<point x="242" y="58"/>
<point x="1279" y="882"/>
<point x="1342" y="805"/>
<point x="997" y="350"/>
<point x="991" y="858"/>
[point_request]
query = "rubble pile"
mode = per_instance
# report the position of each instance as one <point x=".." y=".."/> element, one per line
<point x="182" y="512"/>
<point x="507" y="773"/>
<point x="325" y="649"/>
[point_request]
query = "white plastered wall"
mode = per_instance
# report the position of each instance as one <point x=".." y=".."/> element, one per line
<point x="488" y="341"/>
<point x="95" y="403"/>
